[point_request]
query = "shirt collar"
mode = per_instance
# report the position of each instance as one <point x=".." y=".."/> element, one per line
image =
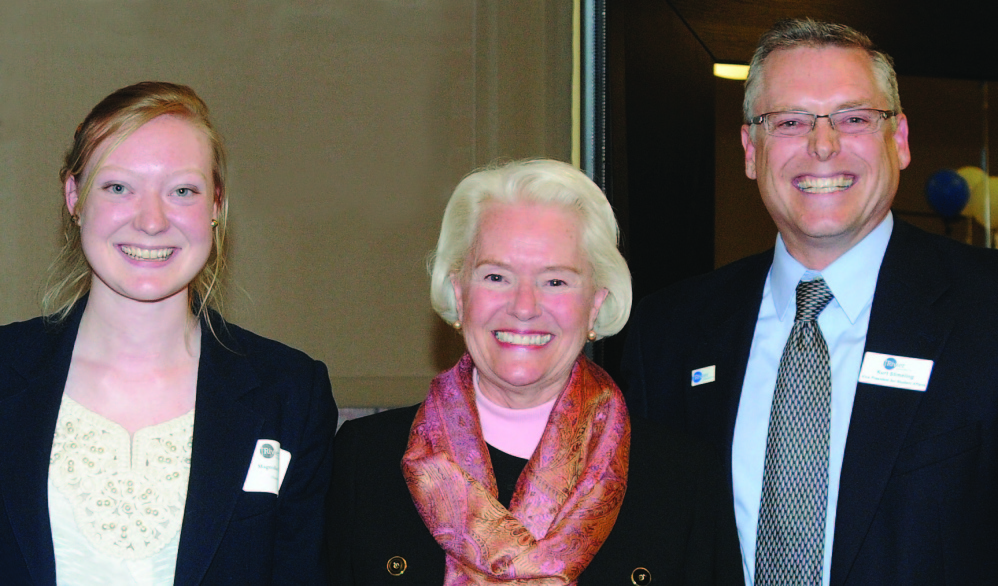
<point x="852" y="277"/>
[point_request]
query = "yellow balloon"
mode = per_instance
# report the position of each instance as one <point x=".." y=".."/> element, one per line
<point x="973" y="175"/>
<point x="975" y="207"/>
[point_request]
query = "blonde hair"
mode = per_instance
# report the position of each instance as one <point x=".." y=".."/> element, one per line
<point x="114" y="119"/>
<point x="536" y="181"/>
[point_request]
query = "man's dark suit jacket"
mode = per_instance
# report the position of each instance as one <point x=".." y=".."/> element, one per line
<point x="919" y="484"/>
<point x="672" y="523"/>
<point x="250" y="389"/>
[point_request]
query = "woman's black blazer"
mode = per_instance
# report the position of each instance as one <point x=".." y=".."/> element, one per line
<point x="251" y="388"/>
<point x="672" y="525"/>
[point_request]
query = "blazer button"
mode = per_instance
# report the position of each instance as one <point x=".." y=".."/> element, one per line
<point x="396" y="566"/>
<point x="640" y="577"/>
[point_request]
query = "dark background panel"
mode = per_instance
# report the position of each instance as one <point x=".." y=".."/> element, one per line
<point x="661" y="144"/>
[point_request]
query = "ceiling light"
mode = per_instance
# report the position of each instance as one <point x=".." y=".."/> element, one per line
<point x="730" y="71"/>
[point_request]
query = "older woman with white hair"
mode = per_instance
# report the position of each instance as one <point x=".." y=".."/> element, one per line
<point x="522" y="465"/>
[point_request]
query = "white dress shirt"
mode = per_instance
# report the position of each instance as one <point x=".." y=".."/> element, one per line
<point x="852" y="279"/>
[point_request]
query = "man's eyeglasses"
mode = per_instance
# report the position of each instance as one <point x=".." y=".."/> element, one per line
<point x="854" y="121"/>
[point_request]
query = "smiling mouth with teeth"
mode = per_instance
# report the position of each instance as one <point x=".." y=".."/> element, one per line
<point x="521" y="340"/>
<point x="147" y="253"/>
<point x="824" y="184"/>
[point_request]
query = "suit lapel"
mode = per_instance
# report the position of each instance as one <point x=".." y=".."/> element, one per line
<point x="27" y="424"/>
<point x="902" y="323"/>
<point x="726" y="343"/>
<point x="225" y="431"/>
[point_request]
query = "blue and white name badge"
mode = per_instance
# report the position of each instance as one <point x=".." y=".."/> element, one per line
<point x="266" y="470"/>
<point x="702" y="376"/>
<point x="900" y="372"/>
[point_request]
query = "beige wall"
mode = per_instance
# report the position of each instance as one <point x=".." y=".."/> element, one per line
<point x="347" y="122"/>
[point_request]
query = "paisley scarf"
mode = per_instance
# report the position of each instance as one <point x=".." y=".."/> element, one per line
<point x="565" y="502"/>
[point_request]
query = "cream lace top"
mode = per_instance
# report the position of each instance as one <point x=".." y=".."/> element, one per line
<point x="116" y="503"/>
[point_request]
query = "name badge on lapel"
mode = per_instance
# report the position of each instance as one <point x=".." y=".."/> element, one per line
<point x="266" y="470"/>
<point x="899" y="372"/>
<point x="702" y="376"/>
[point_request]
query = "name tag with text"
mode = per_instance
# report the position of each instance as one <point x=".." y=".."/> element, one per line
<point x="899" y="372"/>
<point x="266" y="470"/>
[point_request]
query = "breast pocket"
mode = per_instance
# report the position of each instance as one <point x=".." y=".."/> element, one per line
<point x="938" y="448"/>
<point x="250" y="505"/>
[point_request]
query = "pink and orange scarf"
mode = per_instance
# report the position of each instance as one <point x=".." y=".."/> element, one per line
<point x="565" y="502"/>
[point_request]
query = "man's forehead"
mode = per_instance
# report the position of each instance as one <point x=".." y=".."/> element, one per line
<point x="837" y="77"/>
<point x="810" y="60"/>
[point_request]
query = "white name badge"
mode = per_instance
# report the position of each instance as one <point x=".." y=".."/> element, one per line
<point x="900" y="372"/>
<point x="266" y="470"/>
<point x="702" y="376"/>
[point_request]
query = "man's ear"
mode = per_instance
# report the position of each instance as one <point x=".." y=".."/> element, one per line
<point x="901" y="141"/>
<point x="749" y="147"/>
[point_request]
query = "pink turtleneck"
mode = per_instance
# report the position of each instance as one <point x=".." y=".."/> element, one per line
<point x="514" y="431"/>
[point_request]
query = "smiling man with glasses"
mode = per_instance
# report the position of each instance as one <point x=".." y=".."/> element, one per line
<point x="850" y="375"/>
<point x="827" y="184"/>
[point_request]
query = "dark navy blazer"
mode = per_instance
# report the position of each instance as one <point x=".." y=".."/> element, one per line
<point x="918" y="501"/>
<point x="249" y="389"/>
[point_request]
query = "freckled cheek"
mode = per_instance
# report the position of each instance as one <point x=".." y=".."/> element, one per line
<point x="197" y="225"/>
<point x="104" y="216"/>
<point x="99" y="232"/>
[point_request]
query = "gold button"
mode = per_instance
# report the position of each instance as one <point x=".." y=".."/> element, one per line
<point x="396" y="566"/>
<point x="640" y="577"/>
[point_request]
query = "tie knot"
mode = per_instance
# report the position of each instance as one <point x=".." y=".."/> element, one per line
<point x="812" y="297"/>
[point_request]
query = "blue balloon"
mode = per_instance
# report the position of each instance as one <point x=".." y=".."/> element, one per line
<point x="947" y="192"/>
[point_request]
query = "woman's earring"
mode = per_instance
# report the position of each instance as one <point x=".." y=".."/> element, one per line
<point x="75" y="218"/>
<point x="214" y="223"/>
<point x="591" y="335"/>
<point x="456" y="325"/>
